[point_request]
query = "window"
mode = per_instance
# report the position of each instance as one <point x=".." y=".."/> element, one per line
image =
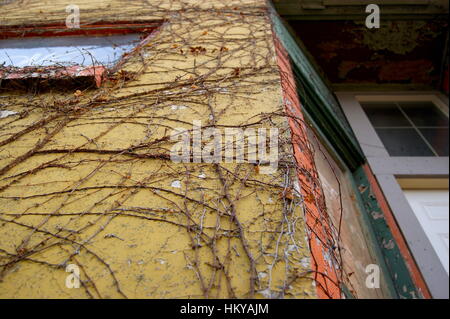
<point x="409" y="128"/>
<point x="404" y="137"/>
<point x="55" y="52"/>
<point x="66" y="51"/>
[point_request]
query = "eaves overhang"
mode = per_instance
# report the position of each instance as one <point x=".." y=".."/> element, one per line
<point x="355" y="9"/>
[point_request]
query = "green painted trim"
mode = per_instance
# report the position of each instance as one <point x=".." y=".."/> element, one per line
<point x="366" y="216"/>
<point x="329" y="125"/>
<point x="346" y="292"/>
<point x="372" y="232"/>
<point x="396" y="266"/>
<point x="366" y="223"/>
<point x="390" y="261"/>
<point x="318" y="99"/>
<point x="323" y="112"/>
<point x="323" y="138"/>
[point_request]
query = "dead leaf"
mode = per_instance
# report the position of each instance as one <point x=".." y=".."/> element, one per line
<point x="288" y="193"/>
<point x="310" y="198"/>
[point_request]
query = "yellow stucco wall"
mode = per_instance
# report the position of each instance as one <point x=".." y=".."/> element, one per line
<point x="110" y="207"/>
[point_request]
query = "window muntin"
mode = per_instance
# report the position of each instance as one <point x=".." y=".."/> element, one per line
<point x="409" y="128"/>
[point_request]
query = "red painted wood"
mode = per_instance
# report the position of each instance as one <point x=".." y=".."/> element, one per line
<point x="317" y="219"/>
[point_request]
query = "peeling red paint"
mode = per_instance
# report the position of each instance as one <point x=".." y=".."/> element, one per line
<point x="96" y="72"/>
<point x="410" y="71"/>
<point x="349" y="53"/>
<point x="98" y="29"/>
<point x="445" y="82"/>
<point x="416" y="71"/>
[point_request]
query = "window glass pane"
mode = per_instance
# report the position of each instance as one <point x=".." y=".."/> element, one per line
<point x="404" y="142"/>
<point x="424" y="114"/>
<point x="385" y="115"/>
<point x="65" y="51"/>
<point x="437" y="138"/>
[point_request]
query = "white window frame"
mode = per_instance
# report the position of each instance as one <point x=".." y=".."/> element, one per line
<point x="388" y="169"/>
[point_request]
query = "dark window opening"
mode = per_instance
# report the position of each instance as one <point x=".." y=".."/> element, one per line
<point x="410" y="128"/>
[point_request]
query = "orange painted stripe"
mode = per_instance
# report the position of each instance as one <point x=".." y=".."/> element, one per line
<point x="317" y="219"/>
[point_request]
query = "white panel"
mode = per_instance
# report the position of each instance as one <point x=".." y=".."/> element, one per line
<point x="432" y="210"/>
